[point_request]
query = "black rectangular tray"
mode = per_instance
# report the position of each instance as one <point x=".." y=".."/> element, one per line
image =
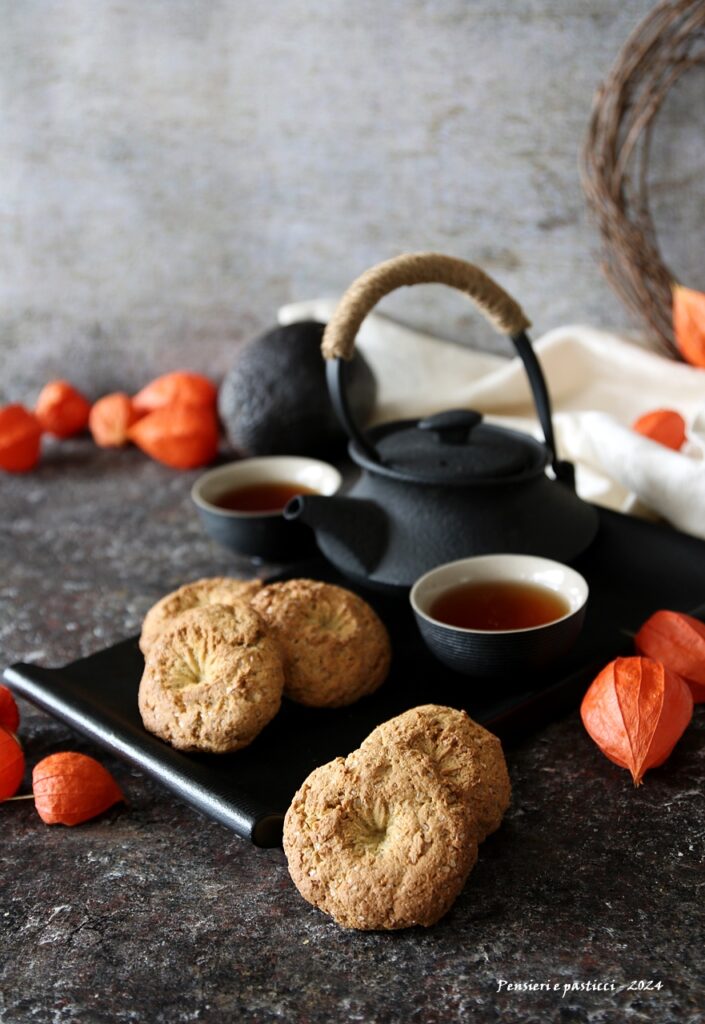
<point x="633" y="568"/>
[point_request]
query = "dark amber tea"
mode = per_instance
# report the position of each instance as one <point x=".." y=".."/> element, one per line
<point x="501" y="604"/>
<point x="261" y="497"/>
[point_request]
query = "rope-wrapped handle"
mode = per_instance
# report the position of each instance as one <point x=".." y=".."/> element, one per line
<point x="500" y="309"/>
<point x="366" y="291"/>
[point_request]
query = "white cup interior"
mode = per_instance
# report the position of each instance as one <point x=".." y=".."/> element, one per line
<point x="311" y="474"/>
<point x="499" y="568"/>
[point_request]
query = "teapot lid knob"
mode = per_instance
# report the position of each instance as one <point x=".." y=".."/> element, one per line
<point x="452" y="426"/>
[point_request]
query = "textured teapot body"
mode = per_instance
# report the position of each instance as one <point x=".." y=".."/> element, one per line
<point x="388" y="532"/>
<point x="447" y="486"/>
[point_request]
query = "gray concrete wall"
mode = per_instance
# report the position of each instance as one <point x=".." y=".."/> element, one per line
<point x="173" y="170"/>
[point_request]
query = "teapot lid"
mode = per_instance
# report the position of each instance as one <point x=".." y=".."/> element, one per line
<point x="453" y="448"/>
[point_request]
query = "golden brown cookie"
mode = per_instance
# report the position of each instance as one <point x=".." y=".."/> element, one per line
<point x="379" y="843"/>
<point x="212" y="680"/>
<point x="336" y="649"/>
<point x="469" y="759"/>
<point x="216" y="590"/>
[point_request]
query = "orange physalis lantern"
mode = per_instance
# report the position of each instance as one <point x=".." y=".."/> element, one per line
<point x="676" y="640"/>
<point x="71" y="788"/>
<point x="9" y="712"/>
<point x="11" y="765"/>
<point x="636" y="711"/>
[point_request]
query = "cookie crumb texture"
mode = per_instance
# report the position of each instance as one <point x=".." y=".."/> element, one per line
<point x="467" y="756"/>
<point x="197" y="594"/>
<point x="336" y="649"/>
<point x="212" y="680"/>
<point x="379" y="843"/>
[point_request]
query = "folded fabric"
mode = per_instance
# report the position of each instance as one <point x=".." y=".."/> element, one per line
<point x="599" y="384"/>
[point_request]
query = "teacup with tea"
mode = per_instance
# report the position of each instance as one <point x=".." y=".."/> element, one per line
<point x="241" y="504"/>
<point x="493" y="615"/>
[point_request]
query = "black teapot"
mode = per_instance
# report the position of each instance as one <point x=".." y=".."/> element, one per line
<point x="447" y="486"/>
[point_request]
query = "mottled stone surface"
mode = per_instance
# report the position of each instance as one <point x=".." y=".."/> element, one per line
<point x="173" y="171"/>
<point x="155" y="914"/>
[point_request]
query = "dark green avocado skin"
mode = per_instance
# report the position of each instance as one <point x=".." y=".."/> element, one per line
<point x="275" y="399"/>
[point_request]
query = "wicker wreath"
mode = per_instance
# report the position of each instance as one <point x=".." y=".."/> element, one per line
<point x="666" y="44"/>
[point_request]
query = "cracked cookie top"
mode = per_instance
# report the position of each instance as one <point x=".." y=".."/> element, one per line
<point x="214" y="590"/>
<point x="378" y="842"/>
<point x="336" y="649"/>
<point x="468" y="758"/>
<point x="212" y="680"/>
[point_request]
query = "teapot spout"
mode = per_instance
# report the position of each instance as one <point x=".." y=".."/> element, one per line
<point x="351" y="532"/>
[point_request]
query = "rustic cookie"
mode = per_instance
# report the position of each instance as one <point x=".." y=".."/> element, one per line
<point x="336" y="649"/>
<point x="379" y="843"/>
<point x="212" y="680"/>
<point x="469" y="759"/>
<point x="217" y="590"/>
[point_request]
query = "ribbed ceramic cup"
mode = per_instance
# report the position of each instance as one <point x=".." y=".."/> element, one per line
<point x="477" y="652"/>
<point x="264" y="535"/>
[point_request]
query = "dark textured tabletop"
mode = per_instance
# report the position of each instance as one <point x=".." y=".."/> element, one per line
<point x="587" y="905"/>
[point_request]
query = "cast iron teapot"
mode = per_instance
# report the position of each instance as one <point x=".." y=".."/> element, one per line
<point x="447" y="486"/>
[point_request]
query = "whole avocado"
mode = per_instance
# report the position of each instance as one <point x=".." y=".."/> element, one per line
<point x="275" y="399"/>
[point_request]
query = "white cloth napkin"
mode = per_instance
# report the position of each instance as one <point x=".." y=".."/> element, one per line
<point x="599" y="384"/>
